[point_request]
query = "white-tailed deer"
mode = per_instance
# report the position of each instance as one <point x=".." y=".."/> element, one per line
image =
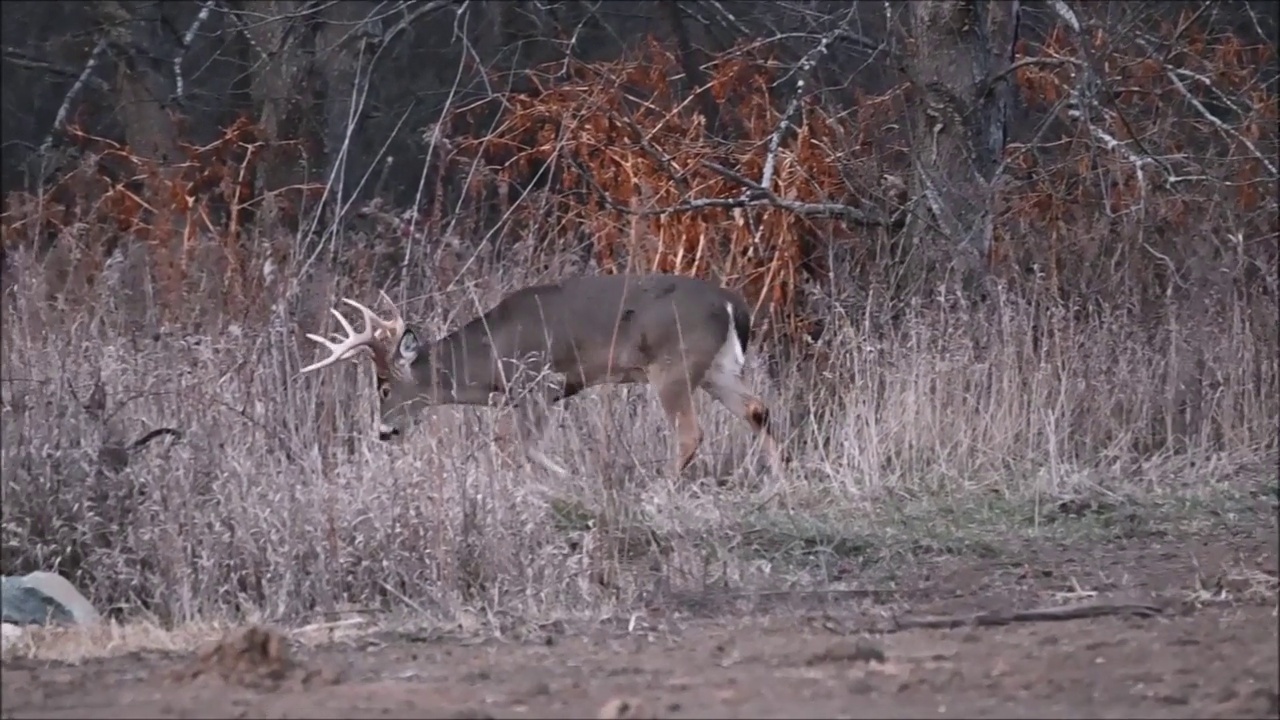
<point x="676" y="333"/>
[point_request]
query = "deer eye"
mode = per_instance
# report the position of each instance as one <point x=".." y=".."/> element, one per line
<point x="384" y="389"/>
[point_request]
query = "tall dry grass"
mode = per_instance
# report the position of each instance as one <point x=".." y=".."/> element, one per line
<point x="278" y="500"/>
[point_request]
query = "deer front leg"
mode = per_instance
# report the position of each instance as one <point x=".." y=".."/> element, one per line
<point x="677" y="402"/>
<point x="531" y="419"/>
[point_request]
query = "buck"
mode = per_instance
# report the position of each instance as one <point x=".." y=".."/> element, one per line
<point x="546" y="343"/>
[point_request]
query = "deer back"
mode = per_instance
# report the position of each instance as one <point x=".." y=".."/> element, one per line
<point x="592" y="330"/>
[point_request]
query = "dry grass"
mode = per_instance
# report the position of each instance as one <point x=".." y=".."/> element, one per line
<point x="111" y="639"/>
<point x="76" y="644"/>
<point x="278" y="502"/>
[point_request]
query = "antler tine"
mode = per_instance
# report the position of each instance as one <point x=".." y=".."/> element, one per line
<point x="397" y="321"/>
<point x="347" y="346"/>
<point x="395" y="311"/>
<point x="392" y="327"/>
<point x="351" y="332"/>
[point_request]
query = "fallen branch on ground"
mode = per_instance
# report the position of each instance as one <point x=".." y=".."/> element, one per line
<point x="1003" y="617"/>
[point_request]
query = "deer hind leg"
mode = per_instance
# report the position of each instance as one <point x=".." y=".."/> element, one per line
<point x="675" y="386"/>
<point x="726" y="387"/>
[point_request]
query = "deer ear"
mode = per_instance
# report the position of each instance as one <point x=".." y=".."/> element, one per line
<point x="408" y="347"/>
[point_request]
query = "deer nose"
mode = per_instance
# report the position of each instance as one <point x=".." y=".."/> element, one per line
<point x="386" y="432"/>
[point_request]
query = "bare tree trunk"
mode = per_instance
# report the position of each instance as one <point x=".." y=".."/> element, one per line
<point x="957" y="55"/>
<point x="278" y="86"/>
<point x="144" y="95"/>
<point x="695" y="79"/>
<point x="144" y="91"/>
<point x="342" y="61"/>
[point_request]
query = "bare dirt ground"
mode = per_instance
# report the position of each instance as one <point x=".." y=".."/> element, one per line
<point x="1198" y="639"/>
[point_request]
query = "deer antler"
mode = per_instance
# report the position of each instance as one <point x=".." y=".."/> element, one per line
<point x="376" y="336"/>
<point x="393" y="328"/>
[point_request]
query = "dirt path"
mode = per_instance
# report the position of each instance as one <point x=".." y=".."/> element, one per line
<point x="1211" y="651"/>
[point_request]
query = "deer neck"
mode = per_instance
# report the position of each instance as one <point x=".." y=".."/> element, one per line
<point x="451" y="373"/>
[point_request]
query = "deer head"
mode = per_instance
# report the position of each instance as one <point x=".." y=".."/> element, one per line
<point x="393" y="347"/>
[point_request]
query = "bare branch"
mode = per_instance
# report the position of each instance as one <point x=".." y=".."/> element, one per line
<point x="1030" y="62"/>
<point x="1047" y="614"/>
<point x="1213" y="119"/>
<point x="784" y="123"/>
<point x="26" y="60"/>
<point x="307" y="11"/>
<point x="412" y="16"/>
<point x="61" y="118"/>
<point x="187" y="37"/>
<point x="1081" y="102"/>
<point x="1066" y="15"/>
<point x="764" y="197"/>
<point x="729" y="18"/>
